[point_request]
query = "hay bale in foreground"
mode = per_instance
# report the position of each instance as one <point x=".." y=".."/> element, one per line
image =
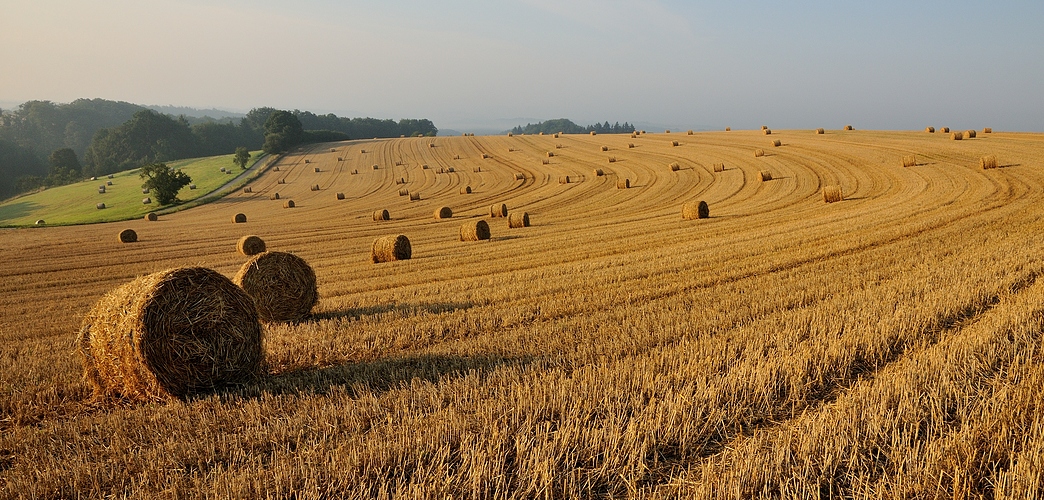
<point x="282" y="286"/>
<point x="675" y="167"/>
<point x="623" y="184"/>
<point x="988" y="162"/>
<point x="289" y="204"/>
<point x="930" y="130"/>
<point x="956" y="136"/>
<point x="832" y="194"/>
<point x="599" y="172"/>
<point x="444" y="213"/>
<point x="389" y="248"/>
<point x="758" y="153"/>
<point x="719" y="167"/>
<point x="474" y="231"/>
<point x="381" y="215"/>
<point x="777" y="143"/>
<point x="695" y="210"/>
<point x="518" y="219"/>
<point x="675" y="143"/>
<point x="909" y="161"/>
<point x="498" y="210"/>
<point x="765" y="175"/>
<point x="239" y="218"/>
<point x="340" y="196"/>
<point x="128" y="236"/>
<point x="169" y="335"/>
<point x="151" y="217"/>
<point x="465" y="190"/>
<point x="250" y="245"/>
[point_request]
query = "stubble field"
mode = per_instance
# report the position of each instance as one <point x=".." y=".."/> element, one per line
<point x="886" y="345"/>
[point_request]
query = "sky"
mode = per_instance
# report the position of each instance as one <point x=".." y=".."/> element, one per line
<point x="491" y="64"/>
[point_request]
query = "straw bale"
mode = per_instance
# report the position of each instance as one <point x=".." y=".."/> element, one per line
<point x="695" y="210"/>
<point x="474" y="230"/>
<point x="988" y="162"/>
<point x="289" y="204"/>
<point x="128" y="236"/>
<point x="832" y="194"/>
<point x="381" y="215"/>
<point x="151" y="217"/>
<point x="765" y="175"/>
<point x="623" y="184"/>
<point x="282" y="286"/>
<point x="389" y="248"/>
<point x="444" y="213"/>
<point x="250" y="245"/>
<point x="500" y="210"/>
<point x="239" y="218"/>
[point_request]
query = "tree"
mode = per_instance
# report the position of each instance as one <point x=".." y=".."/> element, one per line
<point x="242" y="157"/>
<point x="164" y="182"/>
<point x="282" y="131"/>
<point x="64" y="160"/>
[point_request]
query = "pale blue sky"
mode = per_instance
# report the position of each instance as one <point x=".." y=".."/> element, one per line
<point x="464" y="63"/>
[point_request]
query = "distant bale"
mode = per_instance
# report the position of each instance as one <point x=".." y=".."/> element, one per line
<point x="594" y="133"/>
<point x="758" y="153"/>
<point x="496" y="210"/>
<point x="765" y="175"/>
<point x="169" y="335"/>
<point x="306" y="161"/>
<point x="146" y="191"/>
<point x="275" y="196"/>
<point x="315" y="187"/>
<point x="832" y="194"/>
<point x="634" y="135"/>
<point x="957" y="136"/>
<point x="128" y="236"/>
<point x="930" y="130"/>
<point x="777" y="143"/>
<point x="849" y="127"/>
<point x="400" y="180"/>
<point x="630" y="145"/>
<point x="282" y="286"/>
<point x="612" y="159"/>
<point x="101" y="189"/>
<point x="108" y="183"/>
<point x="695" y="210"/>
<point x="477" y="169"/>
<point x="688" y="132"/>
<point x="192" y="186"/>
<point x="599" y="172"/>
<point x="340" y="159"/>
<point x="111" y="176"/>
<point x="450" y="170"/>
<point x="281" y="181"/>
<point x="415" y="197"/>
<point x="354" y="172"/>
<point x="766" y="131"/>
<point x="289" y="204"/>
<point x="250" y="245"/>
<point x="945" y="130"/>
<point x="564" y="179"/>
<point x="520" y="176"/>
<point x="276" y="168"/>
<point x="545" y="161"/>
<point x="40" y="222"/>
<point x="667" y="131"/>
<point x="340" y="196"/>
<point x="719" y="167"/>
<point x="909" y="161"/>
<point x="389" y="248"/>
<point x="485" y="156"/>
<point x="555" y="136"/>
<point x="969" y="134"/>
<point x="605" y="148"/>
<point x="223" y="169"/>
<point x="465" y="190"/>
<point x="425" y="167"/>
<point x="379" y="215"/>
<point x="675" y="167"/>
<point x="987" y="130"/>
<point x="444" y="213"/>
<point x="375" y="167"/>
<point x="764" y="127"/>
<point x="317" y="169"/>
<point x="100" y="206"/>
<point x="510" y="134"/>
<point x="623" y="184"/>
<point x="431" y="144"/>
<point x="988" y="162"/>
<point x="474" y="231"/>
<point x="675" y="143"/>
<point x="151" y="217"/>
<point x="248" y="190"/>
<point x="820" y="131"/>
<point x="550" y="154"/>
<point x="362" y="150"/>
<point x="518" y="219"/>
<point x="146" y="201"/>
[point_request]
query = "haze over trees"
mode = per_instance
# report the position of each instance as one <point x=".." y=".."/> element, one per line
<point x="568" y="127"/>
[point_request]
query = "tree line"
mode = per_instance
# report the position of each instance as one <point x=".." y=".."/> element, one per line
<point x="45" y="144"/>
<point x="568" y="127"/>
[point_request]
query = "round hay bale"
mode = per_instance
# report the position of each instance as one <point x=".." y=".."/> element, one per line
<point x="667" y="131"/>
<point x="289" y="204"/>
<point x="957" y="136"/>
<point x="675" y="144"/>
<point x="404" y="192"/>
<point x="695" y="210"/>
<point x="969" y="134"/>
<point x="550" y="154"/>
<point x="425" y="167"/>
<point x="375" y="167"/>
<point x="389" y="248"/>
<point x="765" y="175"/>
<point x="630" y="145"/>
<point x="317" y="170"/>
<point x="555" y="136"/>
<point x="719" y="167"/>
<point x="281" y="181"/>
<point x="485" y="156"/>
<point x="223" y="168"/>
<point x="545" y="161"/>
<point x="381" y="215"/>
<point x="520" y="177"/>
<point x="518" y="219"/>
<point x="563" y="179"/>
<point x="100" y="206"/>
<point x="431" y="144"/>
<point x="832" y="194"/>
<point x="605" y="148"/>
<point x="315" y="187"/>
<point x="101" y="189"/>
<point x="820" y="131"/>
<point x="169" y="335"/>
<point x="151" y="217"/>
<point x="111" y="176"/>
<point x="988" y="162"/>
<point x="275" y="196"/>
<point x="414" y="196"/>
<point x="777" y="143"/>
<point x="477" y="169"/>
<point x="675" y="167"/>
<point x="248" y="190"/>
<point x="849" y="127"/>
<point x="239" y="218"/>
<point x="146" y="201"/>
<point x="340" y="196"/>
<point x="987" y="130"/>
<point x="145" y="191"/>
<point x="128" y="236"/>
<point x="340" y="159"/>
<point x="354" y="172"/>
<point x="192" y="186"/>
<point x="599" y="172"/>
<point x="498" y="210"/>
<point x="282" y="286"/>
<point x="623" y="184"/>
<point x="40" y="222"/>
<point x="688" y="132"/>
<point x="945" y="130"/>
<point x="510" y="134"/>
<point x="276" y="168"/>
<point x="558" y="146"/>
<point x="930" y="130"/>
<point x="612" y="159"/>
<point x="594" y="133"/>
<point x="474" y="231"/>
<point x="450" y="170"/>
<point x="909" y="161"/>
<point x="444" y="213"/>
<point x="250" y="245"/>
<point x="758" y="153"/>
<point x="108" y="183"/>
<point x="465" y="190"/>
<point x="728" y="129"/>
<point x="766" y="131"/>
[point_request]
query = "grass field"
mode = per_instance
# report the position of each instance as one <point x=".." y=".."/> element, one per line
<point x="887" y="345"/>
<point x="76" y="203"/>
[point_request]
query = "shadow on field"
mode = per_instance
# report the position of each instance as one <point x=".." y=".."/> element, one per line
<point x="381" y="375"/>
<point x="17" y="210"/>
<point x="405" y="309"/>
<point x="1010" y="165"/>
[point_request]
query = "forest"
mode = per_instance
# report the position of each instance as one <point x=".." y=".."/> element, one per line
<point x="568" y="127"/>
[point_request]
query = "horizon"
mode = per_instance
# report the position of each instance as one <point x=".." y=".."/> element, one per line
<point x="477" y="66"/>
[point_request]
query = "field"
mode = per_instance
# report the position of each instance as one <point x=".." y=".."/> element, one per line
<point x="75" y="203"/>
<point x="887" y="345"/>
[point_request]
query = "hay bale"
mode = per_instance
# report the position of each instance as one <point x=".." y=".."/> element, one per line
<point x="605" y="148"/>
<point x="764" y="127"/>
<point x="630" y="145"/>
<point x="688" y="132"/>
<point x="612" y="159"/>
<point x="222" y="169"/>
<point x="289" y="204"/>
<point x="128" y="236"/>
<point x="40" y="222"/>
<point x="101" y="189"/>
<point x="340" y="196"/>
<point x="832" y="194"/>
<point x="431" y="144"/>
<point x="675" y="144"/>
<point x="474" y="231"/>
<point x="169" y="335"/>
<point x="634" y="135"/>
<point x="510" y="134"/>
<point x="564" y="179"/>
<point x="674" y="167"/>
<point x="275" y="196"/>
<point x="354" y="172"/>
<point x="758" y="153"/>
<point x="594" y="133"/>
<point x="477" y="169"/>
<point x="909" y="161"/>
<point x="111" y="176"/>
<point x="765" y="175"/>
<point x="362" y="151"/>
<point x="315" y="187"/>
<point x="425" y="167"/>
<point x="820" y="131"/>
<point x="379" y="215"/>
<point x="317" y="170"/>
<point x="777" y="143"/>
<point x="719" y="167"/>
<point x="498" y="210"/>
<point x="282" y="286"/>
<point x="945" y="130"/>
<point x="695" y="210"/>
<point x="728" y="129"/>
<point x="558" y="146"/>
<point x="623" y="184"/>
<point x="146" y="191"/>
<point x="375" y="167"/>
<point x="389" y="248"/>
<point x="414" y="196"/>
<point x="444" y="213"/>
<point x="667" y="131"/>
<point x="545" y="161"/>
<point x="281" y="181"/>
<point x="308" y="161"/>
<point x="988" y="162"/>
<point x="987" y="130"/>
<point x="520" y="176"/>
<point x="146" y="201"/>
<point x="340" y="159"/>
<point x="555" y="136"/>
<point x="108" y="183"/>
<point x="276" y="169"/>
<point x="957" y="136"/>
<point x="766" y="131"/>
<point x="450" y="170"/>
<point x="151" y="217"/>
<point x="518" y="219"/>
<point x="100" y="206"/>
<point x="250" y="245"/>
<point x="248" y="190"/>
<point x="465" y="190"/>
<point x="485" y="156"/>
<point x="849" y="127"/>
<point x="599" y="172"/>
<point x="550" y="154"/>
<point x="969" y="134"/>
<point x="930" y="130"/>
<point x="400" y="180"/>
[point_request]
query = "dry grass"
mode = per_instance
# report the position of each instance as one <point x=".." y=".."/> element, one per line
<point x="282" y="286"/>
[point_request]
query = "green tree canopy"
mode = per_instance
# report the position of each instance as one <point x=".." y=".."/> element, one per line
<point x="282" y="131"/>
<point x="242" y="157"/>
<point x="164" y="181"/>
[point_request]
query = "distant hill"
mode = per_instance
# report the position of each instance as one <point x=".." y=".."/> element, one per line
<point x="567" y="126"/>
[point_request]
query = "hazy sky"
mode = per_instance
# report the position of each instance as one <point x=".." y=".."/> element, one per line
<point x="469" y="63"/>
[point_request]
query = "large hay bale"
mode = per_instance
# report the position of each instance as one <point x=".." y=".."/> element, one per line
<point x="474" y="230"/>
<point x="988" y="162"/>
<point x="239" y="218"/>
<point x="389" y="248"/>
<point x="108" y="183"/>
<point x="667" y="131"/>
<point x="379" y="215"/>
<point x="987" y="130"/>
<point x="695" y="210"/>
<point x="431" y="144"/>
<point x="558" y="146"/>
<point x="306" y="161"/>
<point x="355" y="172"/>
<point x="425" y="166"/>
<point x="151" y="217"/>
<point x="969" y="134"/>
<point x="146" y="201"/>
<point x="675" y="167"/>
<point x="832" y="194"/>
<point x="250" y="245"/>
<point x="414" y="196"/>
<point x="100" y="206"/>
<point x="594" y="133"/>
<point x="930" y="130"/>
<point x="169" y="335"/>
<point x="375" y="167"/>
<point x="101" y="189"/>
<point x="450" y="170"/>
<point x="849" y="127"/>
<point x="820" y="131"/>
<point x="400" y="180"/>
<point x="146" y="191"/>
<point x="465" y="190"/>
<point x="444" y="213"/>
<point x="282" y="286"/>
<point x="520" y="176"/>
<point x="957" y="136"/>
<point x="909" y="161"/>
<point x="599" y="172"/>
<point x="510" y="134"/>
<point x="340" y="196"/>
<point x="764" y="127"/>
<point x="223" y="168"/>
<point x="555" y="136"/>
<point x="485" y="156"/>
<point x="112" y="176"/>
<point x="128" y="236"/>
<point x="500" y="210"/>
<point x="777" y="143"/>
<point x="545" y="161"/>
<point x="728" y="129"/>
<point x="765" y="175"/>
<point x="192" y="186"/>
<point x="281" y="181"/>
<point x="719" y="167"/>
<point x="563" y="179"/>
<point x="518" y="219"/>
<point x="477" y="169"/>
<point x="289" y="204"/>
<point x="623" y="184"/>
<point x="758" y="153"/>
<point x="314" y="187"/>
